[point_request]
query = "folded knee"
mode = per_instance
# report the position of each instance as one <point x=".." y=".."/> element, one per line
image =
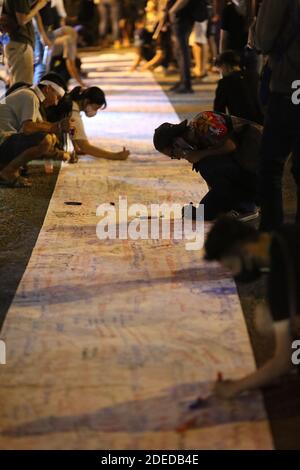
<point x="47" y="144"/>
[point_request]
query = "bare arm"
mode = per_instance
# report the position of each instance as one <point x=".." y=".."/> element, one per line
<point x="72" y="69"/>
<point x="277" y="366"/>
<point x="155" y="61"/>
<point x="30" y="127"/>
<point x="60" y="7"/>
<point x="137" y="62"/>
<point x="89" y="149"/>
<point x="23" y="18"/>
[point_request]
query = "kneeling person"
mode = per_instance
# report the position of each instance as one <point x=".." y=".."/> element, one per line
<point x="248" y="254"/>
<point x="24" y="134"/>
<point x="225" y="151"/>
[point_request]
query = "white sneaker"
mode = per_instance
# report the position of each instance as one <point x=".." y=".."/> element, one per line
<point x="244" y="216"/>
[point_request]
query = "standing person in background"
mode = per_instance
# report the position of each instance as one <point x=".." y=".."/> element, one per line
<point x="213" y="30"/>
<point x="236" y="93"/>
<point x="53" y="16"/>
<point x="199" y="43"/>
<point x="128" y="16"/>
<point x="109" y="10"/>
<point x="182" y="24"/>
<point x="235" y="24"/>
<point x="234" y="33"/>
<point x="278" y="36"/>
<point x="62" y="55"/>
<point x="19" y="51"/>
<point x="90" y="101"/>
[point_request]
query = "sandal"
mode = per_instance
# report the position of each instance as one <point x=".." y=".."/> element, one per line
<point x="18" y="182"/>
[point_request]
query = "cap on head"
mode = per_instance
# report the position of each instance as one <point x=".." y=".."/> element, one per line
<point x="166" y="133"/>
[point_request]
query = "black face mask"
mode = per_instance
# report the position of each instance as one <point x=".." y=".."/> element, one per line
<point x="248" y="274"/>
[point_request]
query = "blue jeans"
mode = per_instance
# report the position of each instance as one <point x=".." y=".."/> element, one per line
<point x="281" y="137"/>
<point x="39" y="67"/>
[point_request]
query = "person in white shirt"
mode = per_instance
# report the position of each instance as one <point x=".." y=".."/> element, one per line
<point x="90" y="101"/>
<point x="24" y="133"/>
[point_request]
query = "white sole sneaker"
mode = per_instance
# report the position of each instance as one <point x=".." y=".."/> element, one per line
<point x="244" y="216"/>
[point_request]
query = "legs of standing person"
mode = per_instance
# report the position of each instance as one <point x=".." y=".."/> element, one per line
<point x="39" y="66"/>
<point x="182" y="30"/>
<point x="115" y="18"/>
<point x="198" y="41"/>
<point x="200" y="53"/>
<point x="281" y="134"/>
<point x="20" y="60"/>
<point x="103" y="24"/>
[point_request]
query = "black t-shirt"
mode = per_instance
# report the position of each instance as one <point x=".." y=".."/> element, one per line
<point x="235" y="25"/>
<point x="23" y="34"/>
<point x="87" y="10"/>
<point x="237" y="94"/>
<point x="50" y="17"/>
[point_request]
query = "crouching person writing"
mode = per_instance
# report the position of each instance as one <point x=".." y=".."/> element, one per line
<point x="248" y="254"/>
<point x="225" y="151"/>
<point x="24" y="134"/>
<point x="76" y="104"/>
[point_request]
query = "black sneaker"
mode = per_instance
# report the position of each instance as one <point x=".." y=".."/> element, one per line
<point x="175" y="86"/>
<point x="244" y="216"/>
<point x="183" y="90"/>
<point x="24" y="171"/>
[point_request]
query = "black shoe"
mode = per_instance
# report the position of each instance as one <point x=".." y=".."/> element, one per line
<point x="24" y="171"/>
<point x="244" y="216"/>
<point x="183" y="90"/>
<point x="175" y="86"/>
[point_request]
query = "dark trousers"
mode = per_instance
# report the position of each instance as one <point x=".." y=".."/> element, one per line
<point x="17" y="144"/>
<point x="230" y="187"/>
<point x="281" y="136"/>
<point x="182" y="29"/>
